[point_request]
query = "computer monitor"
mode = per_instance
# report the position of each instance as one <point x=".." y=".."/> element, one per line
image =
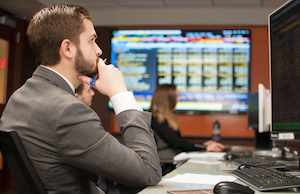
<point x="284" y="43"/>
<point x="210" y="68"/>
<point x="259" y="116"/>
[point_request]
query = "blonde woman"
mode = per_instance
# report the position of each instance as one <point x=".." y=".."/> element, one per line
<point x="165" y="126"/>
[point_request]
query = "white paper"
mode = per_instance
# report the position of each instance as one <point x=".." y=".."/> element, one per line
<point x="205" y="161"/>
<point x="188" y="155"/>
<point x="200" y="178"/>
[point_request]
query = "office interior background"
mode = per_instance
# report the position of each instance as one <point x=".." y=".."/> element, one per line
<point x="110" y="15"/>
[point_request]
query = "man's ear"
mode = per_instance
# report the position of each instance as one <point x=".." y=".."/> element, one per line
<point x="67" y="48"/>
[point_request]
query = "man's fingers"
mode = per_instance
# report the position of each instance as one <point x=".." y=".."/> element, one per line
<point x="84" y="79"/>
<point x="101" y="63"/>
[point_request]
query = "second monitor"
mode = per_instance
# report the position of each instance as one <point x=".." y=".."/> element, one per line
<point x="259" y="116"/>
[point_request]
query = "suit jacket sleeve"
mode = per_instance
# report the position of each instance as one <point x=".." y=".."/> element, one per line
<point x="135" y="164"/>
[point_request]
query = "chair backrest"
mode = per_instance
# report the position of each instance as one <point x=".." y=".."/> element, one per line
<point x="20" y="166"/>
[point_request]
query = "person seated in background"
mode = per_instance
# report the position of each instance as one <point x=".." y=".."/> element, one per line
<point x="85" y="93"/>
<point x="167" y="133"/>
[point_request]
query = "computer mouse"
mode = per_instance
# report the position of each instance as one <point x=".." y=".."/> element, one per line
<point x="230" y="156"/>
<point x="227" y="149"/>
<point x="227" y="187"/>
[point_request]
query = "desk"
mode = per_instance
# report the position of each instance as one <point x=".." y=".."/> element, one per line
<point x="190" y="167"/>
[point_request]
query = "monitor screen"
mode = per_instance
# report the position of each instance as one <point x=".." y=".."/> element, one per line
<point x="284" y="34"/>
<point x="210" y="68"/>
<point x="252" y="111"/>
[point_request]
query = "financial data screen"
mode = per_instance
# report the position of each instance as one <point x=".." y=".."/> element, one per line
<point x="210" y="68"/>
<point x="285" y="67"/>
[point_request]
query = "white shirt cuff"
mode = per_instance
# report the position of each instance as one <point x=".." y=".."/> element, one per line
<point x="124" y="101"/>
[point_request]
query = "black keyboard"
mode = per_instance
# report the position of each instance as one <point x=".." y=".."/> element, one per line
<point x="243" y="154"/>
<point x="258" y="161"/>
<point x="264" y="179"/>
<point x="231" y="155"/>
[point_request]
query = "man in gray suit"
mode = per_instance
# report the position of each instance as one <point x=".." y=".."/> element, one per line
<point x="63" y="137"/>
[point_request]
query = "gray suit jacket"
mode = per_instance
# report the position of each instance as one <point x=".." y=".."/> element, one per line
<point x="67" y="144"/>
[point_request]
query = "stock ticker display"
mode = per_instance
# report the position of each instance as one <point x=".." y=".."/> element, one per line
<point x="209" y="68"/>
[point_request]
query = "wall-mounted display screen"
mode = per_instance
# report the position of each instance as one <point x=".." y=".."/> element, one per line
<point x="209" y="67"/>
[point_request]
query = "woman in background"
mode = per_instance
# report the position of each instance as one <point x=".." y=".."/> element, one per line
<point x="165" y="126"/>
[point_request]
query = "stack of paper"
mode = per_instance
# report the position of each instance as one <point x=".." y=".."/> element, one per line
<point x="200" y="178"/>
<point x="192" y="155"/>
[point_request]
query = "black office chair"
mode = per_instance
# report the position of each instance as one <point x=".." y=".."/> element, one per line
<point x="24" y="175"/>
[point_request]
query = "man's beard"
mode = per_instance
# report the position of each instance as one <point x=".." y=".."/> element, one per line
<point x="84" y="66"/>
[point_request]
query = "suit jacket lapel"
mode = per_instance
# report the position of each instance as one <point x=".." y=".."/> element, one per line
<point x="53" y="77"/>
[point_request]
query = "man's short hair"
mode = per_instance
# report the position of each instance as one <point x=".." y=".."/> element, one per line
<point x="79" y="89"/>
<point x="51" y="25"/>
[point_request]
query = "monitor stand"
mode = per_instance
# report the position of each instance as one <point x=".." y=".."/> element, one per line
<point x="262" y="140"/>
<point x="283" y="152"/>
<point x="284" y="157"/>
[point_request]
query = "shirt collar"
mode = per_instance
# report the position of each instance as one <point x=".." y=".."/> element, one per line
<point x="69" y="83"/>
